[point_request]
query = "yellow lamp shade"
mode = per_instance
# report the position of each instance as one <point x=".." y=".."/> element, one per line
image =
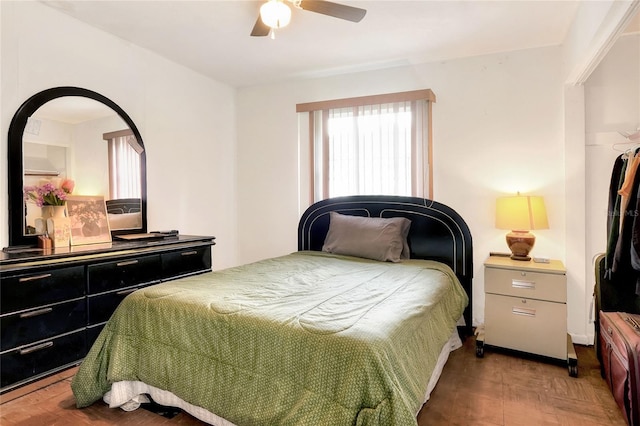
<point x="521" y="214"/>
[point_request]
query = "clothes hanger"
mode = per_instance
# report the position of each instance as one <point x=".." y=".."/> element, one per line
<point x="631" y="138"/>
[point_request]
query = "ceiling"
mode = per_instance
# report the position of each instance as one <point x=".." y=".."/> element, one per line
<point x="212" y="36"/>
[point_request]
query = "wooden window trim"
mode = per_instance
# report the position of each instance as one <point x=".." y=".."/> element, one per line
<point x="117" y="134"/>
<point x="414" y="95"/>
<point x="325" y="154"/>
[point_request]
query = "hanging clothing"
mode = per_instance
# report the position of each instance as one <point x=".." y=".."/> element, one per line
<point x="613" y="213"/>
<point x="618" y="275"/>
<point x="635" y="241"/>
<point x="626" y="188"/>
<point x="623" y="248"/>
<point x="633" y="160"/>
<point x="622" y="255"/>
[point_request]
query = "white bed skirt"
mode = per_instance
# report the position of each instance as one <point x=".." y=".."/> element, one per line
<point x="128" y="395"/>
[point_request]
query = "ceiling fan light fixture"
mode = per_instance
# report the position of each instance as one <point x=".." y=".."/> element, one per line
<point x="275" y="14"/>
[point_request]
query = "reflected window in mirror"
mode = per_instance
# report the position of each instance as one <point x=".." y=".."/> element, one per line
<point x="124" y="164"/>
<point x="123" y="207"/>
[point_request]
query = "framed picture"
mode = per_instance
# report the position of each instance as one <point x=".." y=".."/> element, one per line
<point x="88" y="216"/>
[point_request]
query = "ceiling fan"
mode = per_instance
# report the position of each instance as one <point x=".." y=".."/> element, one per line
<point x="276" y="14"/>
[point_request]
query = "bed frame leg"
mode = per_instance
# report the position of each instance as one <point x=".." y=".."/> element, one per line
<point x="479" y="341"/>
<point x="572" y="357"/>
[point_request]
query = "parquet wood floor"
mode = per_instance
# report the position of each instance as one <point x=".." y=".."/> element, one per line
<point x="499" y="389"/>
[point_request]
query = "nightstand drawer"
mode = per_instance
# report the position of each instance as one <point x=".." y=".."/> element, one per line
<point x="533" y="285"/>
<point x="527" y="325"/>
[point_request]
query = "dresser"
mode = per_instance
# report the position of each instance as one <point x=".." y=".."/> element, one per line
<point x="53" y="305"/>
<point x="526" y="309"/>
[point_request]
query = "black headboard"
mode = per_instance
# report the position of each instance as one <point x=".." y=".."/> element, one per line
<point x="437" y="231"/>
<point x="123" y="205"/>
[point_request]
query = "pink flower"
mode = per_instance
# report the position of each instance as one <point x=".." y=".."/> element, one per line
<point x="67" y="185"/>
<point x="47" y="194"/>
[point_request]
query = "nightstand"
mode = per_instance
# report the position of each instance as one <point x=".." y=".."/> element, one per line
<point x="526" y="309"/>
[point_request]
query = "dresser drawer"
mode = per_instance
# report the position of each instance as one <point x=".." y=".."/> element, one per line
<point x="101" y="306"/>
<point x="92" y="334"/>
<point x="185" y="262"/>
<point x="42" y="323"/>
<point x="526" y="325"/>
<point x="527" y="284"/>
<point x="33" y="360"/>
<point x="42" y="287"/>
<point x="108" y="276"/>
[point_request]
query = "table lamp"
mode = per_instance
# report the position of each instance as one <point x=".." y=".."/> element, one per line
<point x="520" y="214"/>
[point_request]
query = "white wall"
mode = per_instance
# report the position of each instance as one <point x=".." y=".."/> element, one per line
<point x="90" y="155"/>
<point x="497" y="130"/>
<point x="187" y="121"/>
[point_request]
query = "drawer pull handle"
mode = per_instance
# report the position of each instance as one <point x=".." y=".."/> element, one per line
<point x="127" y="263"/>
<point x="34" y="278"/>
<point x="189" y="253"/>
<point x="530" y="285"/>
<point x="123" y="292"/>
<point x="35" y="348"/>
<point x="523" y="311"/>
<point x="36" y="313"/>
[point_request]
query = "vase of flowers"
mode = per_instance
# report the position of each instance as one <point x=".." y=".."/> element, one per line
<point x="51" y="197"/>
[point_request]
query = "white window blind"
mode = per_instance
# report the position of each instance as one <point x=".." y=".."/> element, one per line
<point x="370" y="150"/>
<point x="124" y="166"/>
<point x="373" y="145"/>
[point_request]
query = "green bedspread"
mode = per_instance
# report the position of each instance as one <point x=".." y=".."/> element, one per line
<point x="305" y="339"/>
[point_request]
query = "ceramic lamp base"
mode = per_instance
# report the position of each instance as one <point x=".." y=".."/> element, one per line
<point x="520" y="243"/>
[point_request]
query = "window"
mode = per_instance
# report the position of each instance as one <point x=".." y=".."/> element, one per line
<point x="124" y="164"/>
<point x="371" y="145"/>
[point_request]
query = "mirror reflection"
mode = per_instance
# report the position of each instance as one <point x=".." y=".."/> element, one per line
<point x="81" y="139"/>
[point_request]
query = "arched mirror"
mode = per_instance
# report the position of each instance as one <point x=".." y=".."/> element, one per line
<point x="74" y="133"/>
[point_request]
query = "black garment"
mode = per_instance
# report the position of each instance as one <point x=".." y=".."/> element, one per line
<point x="618" y="283"/>
<point x="623" y="269"/>
<point x="613" y="213"/>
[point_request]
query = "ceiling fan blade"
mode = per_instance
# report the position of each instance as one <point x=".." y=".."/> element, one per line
<point x="350" y="13"/>
<point x="260" y="29"/>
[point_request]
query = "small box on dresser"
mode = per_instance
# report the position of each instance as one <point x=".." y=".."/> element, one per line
<point x="526" y="309"/>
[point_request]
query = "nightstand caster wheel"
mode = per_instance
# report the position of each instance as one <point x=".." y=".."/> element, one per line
<point x="573" y="369"/>
<point x="479" y="350"/>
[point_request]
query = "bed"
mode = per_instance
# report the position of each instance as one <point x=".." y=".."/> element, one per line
<point x="313" y="337"/>
<point x="124" y="213"/>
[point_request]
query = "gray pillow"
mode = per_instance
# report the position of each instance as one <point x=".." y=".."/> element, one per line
<point x="383" y="239"/>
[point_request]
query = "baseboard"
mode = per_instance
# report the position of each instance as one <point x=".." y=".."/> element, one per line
<point x="582" y="339"/>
